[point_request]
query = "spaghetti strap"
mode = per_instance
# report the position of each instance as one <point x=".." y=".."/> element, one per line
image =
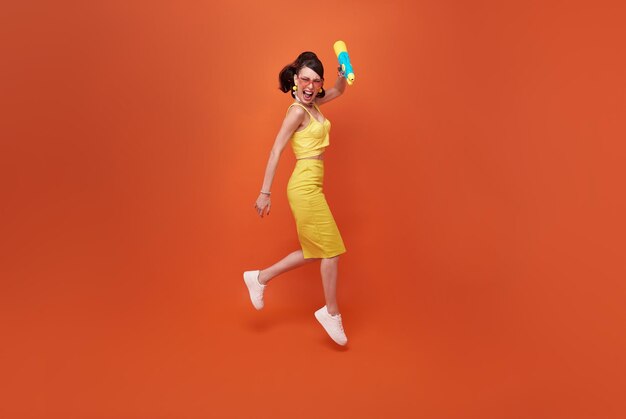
<point x="320" y="112"/>
<point x="302" y="106"/>
<point x="313" y="138"/>
<point x="309" y="112"/>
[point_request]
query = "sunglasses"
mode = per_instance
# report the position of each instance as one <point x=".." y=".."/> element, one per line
<point x="306" y="81"/>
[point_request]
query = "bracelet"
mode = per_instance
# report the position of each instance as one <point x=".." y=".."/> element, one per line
<point x="266" y="193"/>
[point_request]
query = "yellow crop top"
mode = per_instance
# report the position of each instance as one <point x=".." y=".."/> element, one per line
<point x="313" y="139"/>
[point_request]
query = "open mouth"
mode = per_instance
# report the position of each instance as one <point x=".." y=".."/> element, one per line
<point x="308" y="95"/>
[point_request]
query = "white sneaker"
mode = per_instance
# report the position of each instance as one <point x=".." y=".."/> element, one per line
<point x="332" y="325"/>
<point x="255" y="288"/>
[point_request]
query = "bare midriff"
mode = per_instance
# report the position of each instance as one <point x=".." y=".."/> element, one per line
<point x="318" y="157"/>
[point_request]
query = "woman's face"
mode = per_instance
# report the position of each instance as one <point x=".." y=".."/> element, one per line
<point x="309" y="83"/>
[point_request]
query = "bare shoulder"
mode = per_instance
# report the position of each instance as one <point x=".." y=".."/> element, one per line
<point x="294" y="118"/>
<point x="295" y="113"/>
<point x="296" y="109"/>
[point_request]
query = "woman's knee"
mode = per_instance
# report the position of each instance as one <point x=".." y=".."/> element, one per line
<point x="331" y="261"/>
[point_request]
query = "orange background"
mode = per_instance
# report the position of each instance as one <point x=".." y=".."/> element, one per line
<point x="475" y="171"/>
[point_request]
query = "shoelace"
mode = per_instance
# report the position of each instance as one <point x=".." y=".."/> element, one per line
<point x="339" y="323"/>
<point x="259" y="295"/>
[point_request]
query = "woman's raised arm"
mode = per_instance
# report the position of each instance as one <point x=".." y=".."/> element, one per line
<point x="335" y="91"/>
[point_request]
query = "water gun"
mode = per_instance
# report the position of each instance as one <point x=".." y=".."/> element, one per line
<point x="344" y="60"/>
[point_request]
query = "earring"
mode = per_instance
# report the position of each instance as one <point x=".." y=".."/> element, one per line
<point x="294" y="88"/>
<point x="321" y="90"/>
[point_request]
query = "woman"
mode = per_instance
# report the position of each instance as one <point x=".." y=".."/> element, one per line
<point x="319" y="237"/>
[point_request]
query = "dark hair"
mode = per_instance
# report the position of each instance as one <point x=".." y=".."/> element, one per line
<point x="306" y="59"/>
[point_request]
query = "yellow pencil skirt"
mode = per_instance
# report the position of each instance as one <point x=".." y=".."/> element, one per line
<point x="317" y="230"/>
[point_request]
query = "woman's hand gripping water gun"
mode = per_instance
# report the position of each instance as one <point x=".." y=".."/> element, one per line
<point x="344" y="61"/>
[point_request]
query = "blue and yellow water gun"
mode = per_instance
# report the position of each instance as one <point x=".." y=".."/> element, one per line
<point x="344" y="61"/>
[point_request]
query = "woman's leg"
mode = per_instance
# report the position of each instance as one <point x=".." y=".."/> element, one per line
<point x="329" y="316"/>
<point x="289" y="262"/>
<point x="329" y="268"/>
